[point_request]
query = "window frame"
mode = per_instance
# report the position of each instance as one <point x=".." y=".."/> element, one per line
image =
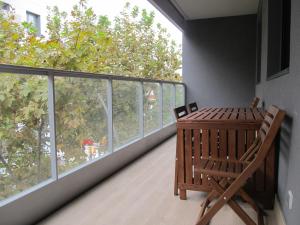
<point x="278" y="62"/>
<point x="5" y="6"/>
<point x="38" y="21"/>
<point x="258" y="43"/>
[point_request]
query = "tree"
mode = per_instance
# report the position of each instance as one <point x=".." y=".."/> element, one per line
<point x="132" y="45"/>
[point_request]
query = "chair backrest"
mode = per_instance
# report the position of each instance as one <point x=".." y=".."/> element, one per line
<point x="193" y="107"/>
<point x="270" y="125"/>
<point x="180" y="112"/>
<point x="254" y="102"/>
<point x="266" y="135"/>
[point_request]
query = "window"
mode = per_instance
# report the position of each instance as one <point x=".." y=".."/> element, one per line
<point x="279" y="19"/>
<point x="34" y="19"/>
<point x="168" y="104"/>
<point x="151" y="107"/>
<point x="258" y="43"/>
<point x="81" y="121"/>
<point x="24" y="133"/>
<point x="5" y="6"/>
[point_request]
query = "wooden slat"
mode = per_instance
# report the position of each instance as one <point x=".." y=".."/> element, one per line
<point x="227" y="113"/>
<point x="238" y="168"/>
<point x="231" y="167"/>
<point x="262" y="134"/>
<point x="223" y="144"/>
<point x="270" y="181"/>
<point x="181" y="169"/>
<point x="217" y="165"/>
<point x="234" y="114"/>
<point x="260" y="178"/>
<point x="205" y="151"/>
<point x="257" y="114"/>
<point x="242" y="114"/>
<point x="188" y="157"/>
<point x="250" y="140"/>
<point x="264" y="127"/>
<point x="197" y="154"/>
<point x="209" y="165"/>
<point x="214" y="143"/>
<point x="249" y="115"/>
<point x="232" y="144"/>
<point x="223" y="166"/>
<point x="203" y="163"/>
<point x="250" y="137"/>
<point x="205" y="143"/>
<point x="241" y="138"/>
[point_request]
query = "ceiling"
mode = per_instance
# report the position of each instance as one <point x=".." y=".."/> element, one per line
<point x="199" y="9"/>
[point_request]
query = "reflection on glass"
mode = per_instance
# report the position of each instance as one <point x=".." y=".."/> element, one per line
<point x="81" y="121"/>
<point x="179" y="95"/>
<point x="168" y="103"/>
<point x="125" y="112"/>
<point x="24" y="133"/>
<point x="151" y="107"/>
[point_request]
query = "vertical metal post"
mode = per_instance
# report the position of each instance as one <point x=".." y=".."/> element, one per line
<point x="161" y="94"/>
<point x="52" y="125"/>
<point x="110" y="115"/>
<point x="173" y="101"/>
<point x="184" y="93"/>
<point x="176" y="100"/>
<point x="141" y="108"/>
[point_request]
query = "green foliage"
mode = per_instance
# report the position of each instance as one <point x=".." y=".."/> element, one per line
<point x="131" y="45"/>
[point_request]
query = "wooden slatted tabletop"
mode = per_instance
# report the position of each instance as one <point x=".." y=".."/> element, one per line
<point x="224" y="115"/>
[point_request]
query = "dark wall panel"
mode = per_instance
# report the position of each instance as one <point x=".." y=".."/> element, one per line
<point x="284" y="92"/>
<point x="219" y="60"/>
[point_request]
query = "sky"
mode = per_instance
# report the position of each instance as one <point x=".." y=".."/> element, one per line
<point x="112" y="8"/>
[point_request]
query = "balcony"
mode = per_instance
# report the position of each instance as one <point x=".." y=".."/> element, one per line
<point x="100" y="148"/>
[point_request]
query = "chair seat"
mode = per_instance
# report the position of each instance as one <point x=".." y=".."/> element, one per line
<point x="221" y="167"/>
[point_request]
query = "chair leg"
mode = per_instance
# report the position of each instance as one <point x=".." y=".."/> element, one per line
<point x="243" y="194"/>
<point x="238" y="210"/>
<point x="245" y="197"/>
<point x="205" y="218"/>
<point x="176" y="177"/>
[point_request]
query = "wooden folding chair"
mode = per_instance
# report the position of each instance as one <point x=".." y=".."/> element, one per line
<point x="254" y="102"/>
<point x="179" y="112"/>
<point x="192" y="107"/>
<point x="227" y="176"/>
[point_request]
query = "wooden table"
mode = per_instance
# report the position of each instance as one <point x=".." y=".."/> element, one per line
<point x="222" y="133"/>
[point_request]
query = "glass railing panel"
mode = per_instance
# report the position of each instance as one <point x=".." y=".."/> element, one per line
<point x="180" y="95"/>
<point x="152" y="113"/>
<point x="125" y="112"/>
<point x="93" y="115"/>
<point x="168" y="104"/>
<point x="24" y="133"/>
<point x="81" y="121"/>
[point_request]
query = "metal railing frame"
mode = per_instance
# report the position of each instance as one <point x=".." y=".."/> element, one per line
<point x="52" y="73"/>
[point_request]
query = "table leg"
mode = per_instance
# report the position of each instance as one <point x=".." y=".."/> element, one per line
<point x="182" y="194"/>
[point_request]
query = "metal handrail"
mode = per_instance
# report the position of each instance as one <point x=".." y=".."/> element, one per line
<point x="5" y="68"/>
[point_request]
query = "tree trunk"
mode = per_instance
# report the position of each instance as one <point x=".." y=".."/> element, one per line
<point x="115" y="133"/>
<point x="14" y="178"/>
<point x="39" y="148"/>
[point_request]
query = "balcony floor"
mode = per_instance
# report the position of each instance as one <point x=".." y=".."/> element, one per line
<point x="140" y="194"/>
